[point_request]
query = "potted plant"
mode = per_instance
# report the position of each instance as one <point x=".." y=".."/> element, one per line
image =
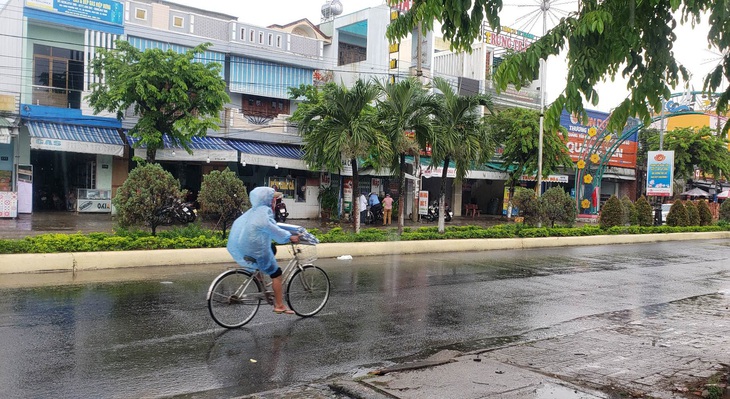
<point x="328" y="199"/>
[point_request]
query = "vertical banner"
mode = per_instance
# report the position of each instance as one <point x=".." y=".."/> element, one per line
<point x="659" y="173"/>
<point x="423" y="202"/>
<point x="347" y="194"/>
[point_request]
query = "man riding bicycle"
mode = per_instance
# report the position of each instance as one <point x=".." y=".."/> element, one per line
<point x="249" y="242"/>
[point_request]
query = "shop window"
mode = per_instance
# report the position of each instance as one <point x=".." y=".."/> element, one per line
<point x="285" y="185"/>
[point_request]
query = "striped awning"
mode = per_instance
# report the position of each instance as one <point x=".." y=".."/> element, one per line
<point x="270" y="154"/>
<point x="269" y="149"/>
<point x="208" y="149"/>
<point x="74" y="138"/>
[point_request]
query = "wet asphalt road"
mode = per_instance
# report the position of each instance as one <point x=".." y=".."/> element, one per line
<point x="147" y="332"/>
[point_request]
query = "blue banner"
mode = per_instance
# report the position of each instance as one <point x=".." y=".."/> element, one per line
<point x="108" y="11"/>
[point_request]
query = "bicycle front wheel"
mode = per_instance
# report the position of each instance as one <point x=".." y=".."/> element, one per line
<point x="308" y="291"/>
<point x="234" y="298"/>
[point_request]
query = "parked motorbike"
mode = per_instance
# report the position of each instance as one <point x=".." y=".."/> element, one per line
<point x="280" y="213"/>
<point x="433" y="212"/>
<point x="374" y="214"/>
<point x="177" y="211"/>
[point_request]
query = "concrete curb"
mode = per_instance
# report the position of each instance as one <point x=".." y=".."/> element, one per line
<point x="78" y="261"/>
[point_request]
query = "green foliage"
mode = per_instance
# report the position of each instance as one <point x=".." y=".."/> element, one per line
<point x="223" y="195"/>
<point x="677" y="215"/>
<point x="704" y="212"/>
<point x="517" y="131"/>
<point x="339" y="123"/>
<point x="459" y="135"/>
<point x="147" y="190"/>
<point x="693" y="214"/>
<point x="612" y="213"/>
<point x="602" y="40"/>
<point x="695" y="148"/>
<point x="725" y="211"/>
<point x="557" y="206"/>
<point x="192" y="236"/>
<point x="329" y="199"/>
<point x="644" y="212"/>
<point x="171" y="93"/>
<point x="528" y="205"/>
<point x="629" y="216"/>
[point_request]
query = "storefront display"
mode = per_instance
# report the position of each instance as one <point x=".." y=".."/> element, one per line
<point x="96" y="201"/>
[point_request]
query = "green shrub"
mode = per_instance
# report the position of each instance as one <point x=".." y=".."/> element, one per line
<point x="528" y="205"/>
<point x="147" y="190"/>
<point x="629" y="216"/>
<point x="612" y="213"/>
<point x="644" y="212"/>
<point x="705" y="213"/>
<point x="693" y="214"/>
<point x="677" y="215"/>
<point x="223" y="196"/>
<point x="557" y="206"/>
<point x="725" y="211"/>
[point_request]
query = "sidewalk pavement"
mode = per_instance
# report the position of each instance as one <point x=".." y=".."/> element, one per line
<point x="663" y="351"/>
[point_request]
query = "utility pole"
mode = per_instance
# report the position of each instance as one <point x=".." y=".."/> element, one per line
<point x="417" y="155"/>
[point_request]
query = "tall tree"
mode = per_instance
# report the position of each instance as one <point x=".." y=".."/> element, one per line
<point x="516" y="130"/>
<point x="171" y="93"/>
<point x="603" y="39"/>
<point x="339" y="124"/>
<point x="699" y="148"/>
<point x="459" y="135"/>
<point x="404" y="111"/>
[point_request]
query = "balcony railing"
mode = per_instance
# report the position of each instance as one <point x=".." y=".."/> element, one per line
<point x="55" y="97"/>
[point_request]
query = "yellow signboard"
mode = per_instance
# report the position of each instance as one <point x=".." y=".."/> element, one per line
<point x="7" y="103"/>
<point x="393" y="63"/>
<point x="394" y="47"/>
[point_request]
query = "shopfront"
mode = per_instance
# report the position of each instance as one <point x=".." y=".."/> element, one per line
<point x="69" y="162"/>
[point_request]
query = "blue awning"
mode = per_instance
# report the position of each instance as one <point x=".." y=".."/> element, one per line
<point x="268" y="149"/>
<point x="74" y="138"/>
<point x="205" y="148"/>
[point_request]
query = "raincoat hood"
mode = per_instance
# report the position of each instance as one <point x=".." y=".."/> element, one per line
<point x="261" y="196"/>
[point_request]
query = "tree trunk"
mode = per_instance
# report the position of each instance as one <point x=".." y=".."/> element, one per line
<point x="442" y="197"/>
<point x="416" y="184"/>
<point x="402" y="194"/>
<point x="355" y="199"/>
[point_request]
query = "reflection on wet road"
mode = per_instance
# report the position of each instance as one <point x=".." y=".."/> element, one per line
<point x="149" y="334"/>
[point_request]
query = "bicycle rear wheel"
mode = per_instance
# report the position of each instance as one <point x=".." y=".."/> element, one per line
<point x="234" y="298"/>
<point x="308" y="291"/>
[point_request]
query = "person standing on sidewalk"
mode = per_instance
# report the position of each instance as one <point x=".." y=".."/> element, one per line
<point x="387" y="209"/>
<point x="362" y="206"/>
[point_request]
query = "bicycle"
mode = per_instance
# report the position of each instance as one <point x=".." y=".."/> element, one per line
<point x="235" y="295"/>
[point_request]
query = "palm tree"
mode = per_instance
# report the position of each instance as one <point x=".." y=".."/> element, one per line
<point x="459" y="135"/>
<point x="341" y="124"/>
<point x="404" y="112"/>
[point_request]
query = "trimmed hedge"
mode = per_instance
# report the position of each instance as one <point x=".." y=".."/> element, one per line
<point x="193" y="236"/>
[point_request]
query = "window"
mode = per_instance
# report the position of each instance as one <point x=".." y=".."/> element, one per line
<point x="251" y="36"/>
<point x="278" y="41"/>
<point x="243" y="34"/>
<point x="140" y="13"/>
<point x="177" y="21"/>
<point x="271" y="39"/>
<point x="349" y="54"/>
<point x="261" y="37"/>
<point x="58" y="76"/>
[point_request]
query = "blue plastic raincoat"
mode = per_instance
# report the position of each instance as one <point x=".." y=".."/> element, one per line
<point x="252" y="232"/>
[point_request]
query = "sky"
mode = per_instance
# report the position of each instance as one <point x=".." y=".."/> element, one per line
<point x="690" y="48"/>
